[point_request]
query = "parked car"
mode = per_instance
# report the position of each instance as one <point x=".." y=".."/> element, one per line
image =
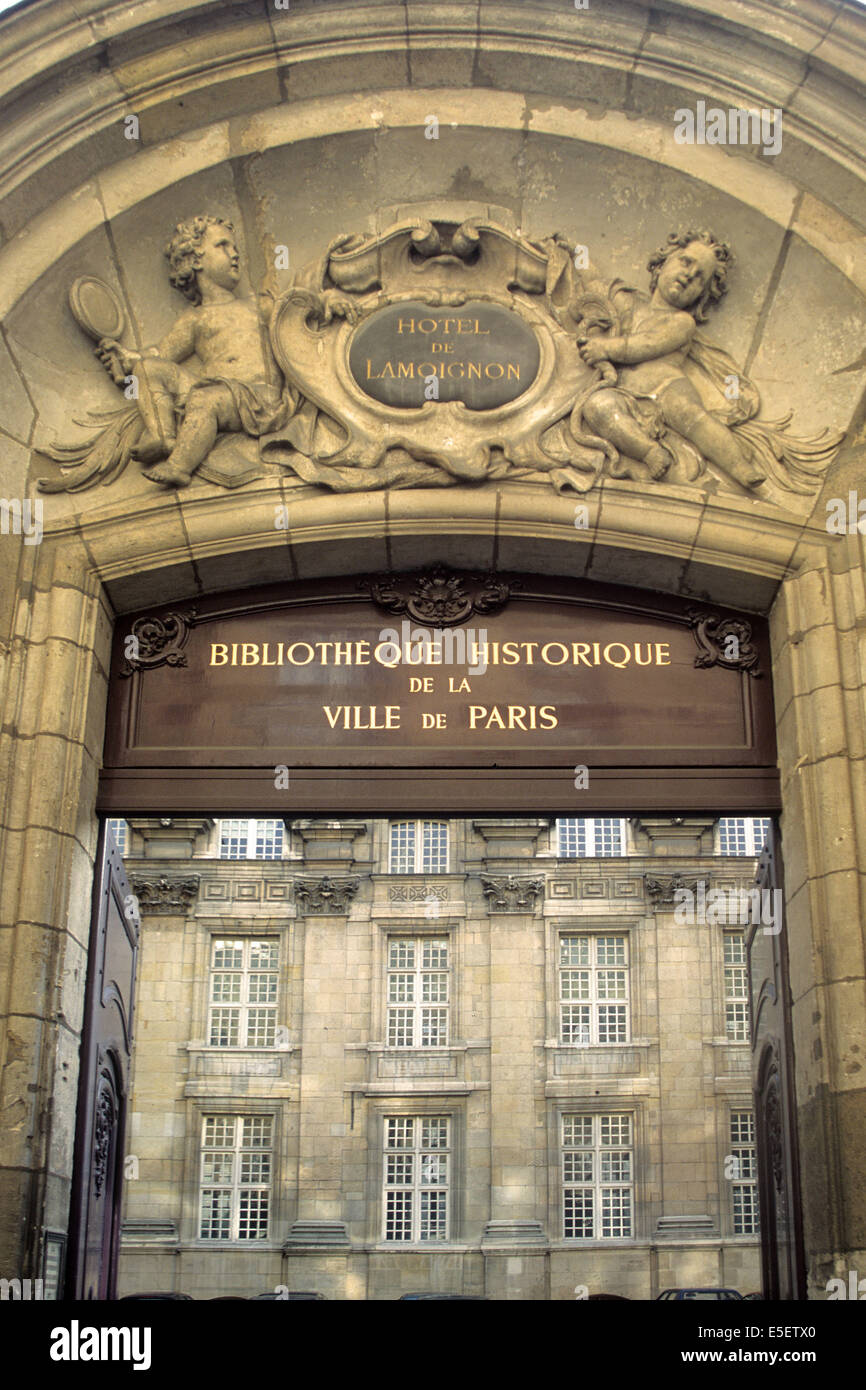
<point x="303" y="1295"/>
<point x="173" y="1297"/>
<point x="464" y="1297"/>
<point x="710" y="1293"/>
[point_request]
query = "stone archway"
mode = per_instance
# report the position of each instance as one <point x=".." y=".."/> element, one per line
<point x="79" y="202"/>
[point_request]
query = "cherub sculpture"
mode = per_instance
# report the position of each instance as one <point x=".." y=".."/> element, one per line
<point x="664" y="395"/>
<point x="213" y="372"/>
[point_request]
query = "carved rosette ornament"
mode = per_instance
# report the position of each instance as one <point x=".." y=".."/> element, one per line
<point x="164" y="896"/>
<point x="437" y="353"/>
<point x="725" y="642"/>
<point x="511" y="892"/>
<point x="661" y="889"/>
<point x="325" y="894"/>
<point x="153" y="642"/>
<point x="439" y="597"/>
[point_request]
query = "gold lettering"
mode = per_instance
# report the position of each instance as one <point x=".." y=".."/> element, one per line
<point x="513" y="371"/>
<point x="474" y="370"/>
<point x="609" y="659"/>
<point x="562" y="647"/>
<point x="483" y="332"/>
<point x="663" y="647"/>
<point x="434" y="324"/>
<point x="489" y="372"/>
<point x="406" y="369"/>
<point x="222" y="648"/>
<point x="410" y="322"/>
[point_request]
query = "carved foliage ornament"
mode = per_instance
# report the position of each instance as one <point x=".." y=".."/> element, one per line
<point x="103" y="1131"/>
<point x="325" y="894"/>
<point x="155" y="642"/>
<point x="433" y="354"/>
<point x="725" y="642"/>
<point x="511" y="892"/>
<point x="163" y="895"/>
<point x="661" y="888"/>
<point x="439" y="597"/>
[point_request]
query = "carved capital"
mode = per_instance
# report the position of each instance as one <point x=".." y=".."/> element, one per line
<point x="511" y="892"/>
<point x="157" y="642"/>
<point x="171" y="897"/>
<point x="660" y="889"/>
<point x="325" y="894"/>
<point x="724" y="642"/>
<point x="439" y="597"/>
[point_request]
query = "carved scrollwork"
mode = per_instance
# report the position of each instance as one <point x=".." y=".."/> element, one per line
<point x="102" y="1134"/>
<point x="511" y="892"/>
<point x="724" y="642"/>
<point x="153" y="642"/>
<point x="168" y="896"/>
<point x="773" y="1120"/>
<point x="439" y="597"/>
<point x="325" y="894"/>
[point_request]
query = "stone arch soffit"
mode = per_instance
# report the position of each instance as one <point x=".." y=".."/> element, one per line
<point x="120" y="187"/>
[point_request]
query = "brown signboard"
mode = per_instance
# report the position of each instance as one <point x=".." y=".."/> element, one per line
<point x="409" y="352"/>
<point x="546" y="695"/>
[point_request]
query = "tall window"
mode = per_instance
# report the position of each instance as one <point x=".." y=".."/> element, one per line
<point x="593" y="989"/>
<point x="419" y="847"/>
<point x="743" y="1171"/>
<point x="597" y="1177"/>
<point x="743" y="834"/>
<point x="243" y="992"/>
<point x="736" y="987"/>
<point x="590" y="838"/>
<point x="418" y="992"/>
<point x="251" y="839"/>
<point x="120" y="831"/>
<point x="236" y="1177"/>
<point x="417" y="1174"/>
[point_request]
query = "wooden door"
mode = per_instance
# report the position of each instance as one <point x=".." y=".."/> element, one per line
<point x="106" y="1046"/>
<point x="782" y="1256"/>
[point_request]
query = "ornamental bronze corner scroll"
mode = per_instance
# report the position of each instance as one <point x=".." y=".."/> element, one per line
<point x="153" y="642"/>
<point x="439" y="597"/>
<point x="725" y="642"/>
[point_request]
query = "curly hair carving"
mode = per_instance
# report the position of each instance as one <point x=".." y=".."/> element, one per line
<point x="182" y="251"/>
<point x="717" y="285"/>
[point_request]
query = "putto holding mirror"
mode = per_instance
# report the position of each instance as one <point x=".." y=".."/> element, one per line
<point x="432" y="354"/>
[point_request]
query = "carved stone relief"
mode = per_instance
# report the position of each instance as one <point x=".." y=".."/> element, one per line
<point x="434" y="354"/>
<point x="325" y="894"/>
<point x="511" y="892"/>
<point x="163" y="895"/>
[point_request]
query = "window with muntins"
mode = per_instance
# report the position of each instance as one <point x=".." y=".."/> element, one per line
<point x="597" y="1177"/>
<point x="593" y="989"/>
<point x="596" y="837"/>
<point x="417" y="1173"/>
<point x="235" y="1177"/>
<point x="243" y="992"/>
<point x="419" y="847"/>
<point x="744" y="1173"/>
<point x="251" y="839"/>
<point x="736" y="987"/>
<point x="743" y="835"/>
<point x="418" y="991"/>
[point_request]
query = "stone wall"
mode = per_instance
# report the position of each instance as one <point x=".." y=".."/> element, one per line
<point x="299" y="126"/>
